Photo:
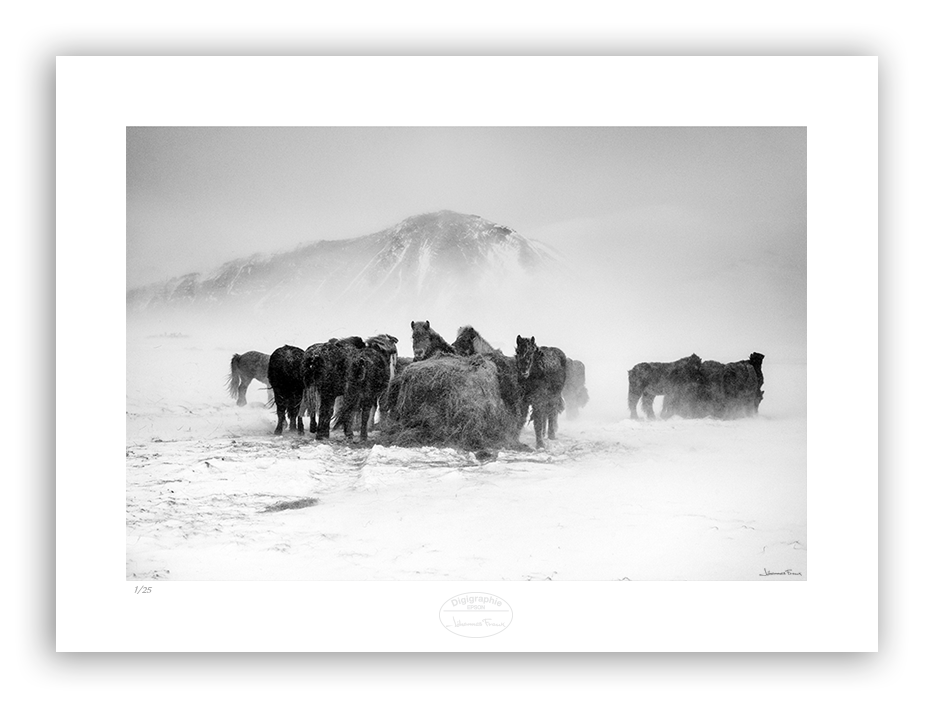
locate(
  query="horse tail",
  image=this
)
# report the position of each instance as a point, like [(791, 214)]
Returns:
[(233, 379), (309, 402)]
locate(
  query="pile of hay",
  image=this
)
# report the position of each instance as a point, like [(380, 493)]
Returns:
[(450, 401)]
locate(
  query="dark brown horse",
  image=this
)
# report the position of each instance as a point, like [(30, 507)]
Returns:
[(684, 388), (426, 342), (733, 390), (285, 377), (368, 377), (756, 359), (244, 369), (540, 372), (713, 389), (575, 392), (651, 379), (324, 375), (469, 341)]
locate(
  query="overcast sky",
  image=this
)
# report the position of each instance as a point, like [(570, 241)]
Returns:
[(197, 197)]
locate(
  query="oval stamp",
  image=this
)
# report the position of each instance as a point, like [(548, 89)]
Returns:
[(475, 614)]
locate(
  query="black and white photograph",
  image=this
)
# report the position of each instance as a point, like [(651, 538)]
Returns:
[(466, 353)]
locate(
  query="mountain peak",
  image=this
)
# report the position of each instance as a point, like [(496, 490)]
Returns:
[(432, 253), (447, 225)]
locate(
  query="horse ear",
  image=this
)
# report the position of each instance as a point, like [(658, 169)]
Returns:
[(518, 340), (427, 324), (412, 324), (532, 340)]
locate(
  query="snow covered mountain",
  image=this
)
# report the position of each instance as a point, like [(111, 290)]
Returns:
[(443, 256)]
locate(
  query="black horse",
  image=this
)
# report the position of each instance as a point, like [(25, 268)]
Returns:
[(713, 389), (368, 377), (541, 375), (756, 359), (651, 379), (575, 392), (733, 390), (426, 342), (285, 378), (469, 341), (324, 376), (684, 387)]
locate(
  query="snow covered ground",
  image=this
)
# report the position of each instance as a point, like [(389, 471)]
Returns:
[(213, 495)]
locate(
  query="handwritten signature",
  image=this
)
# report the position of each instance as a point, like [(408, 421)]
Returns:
[(787, 572)]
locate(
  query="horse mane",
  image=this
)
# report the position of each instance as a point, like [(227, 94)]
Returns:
[(469, 341), (383, 343), (437, 343), (352, 341)]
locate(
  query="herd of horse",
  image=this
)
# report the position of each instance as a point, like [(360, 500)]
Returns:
[(696, 389), (343, 383)]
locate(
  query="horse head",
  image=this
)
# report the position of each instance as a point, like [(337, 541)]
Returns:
[(466, 341), (526, 353), (385, 345), (425, 341)]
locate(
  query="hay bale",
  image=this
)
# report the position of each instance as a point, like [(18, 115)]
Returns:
[(450, 401)]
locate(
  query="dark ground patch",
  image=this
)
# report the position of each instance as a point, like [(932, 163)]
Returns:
[(291, 505)]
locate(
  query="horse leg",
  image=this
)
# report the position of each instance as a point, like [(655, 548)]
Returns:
[(292, 411), (366, 411), (280, 413), (325, 412), (633, 400), (297, 414), (648, 399), (349, 425), (524, 416), (538, 423), (553, 423)]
